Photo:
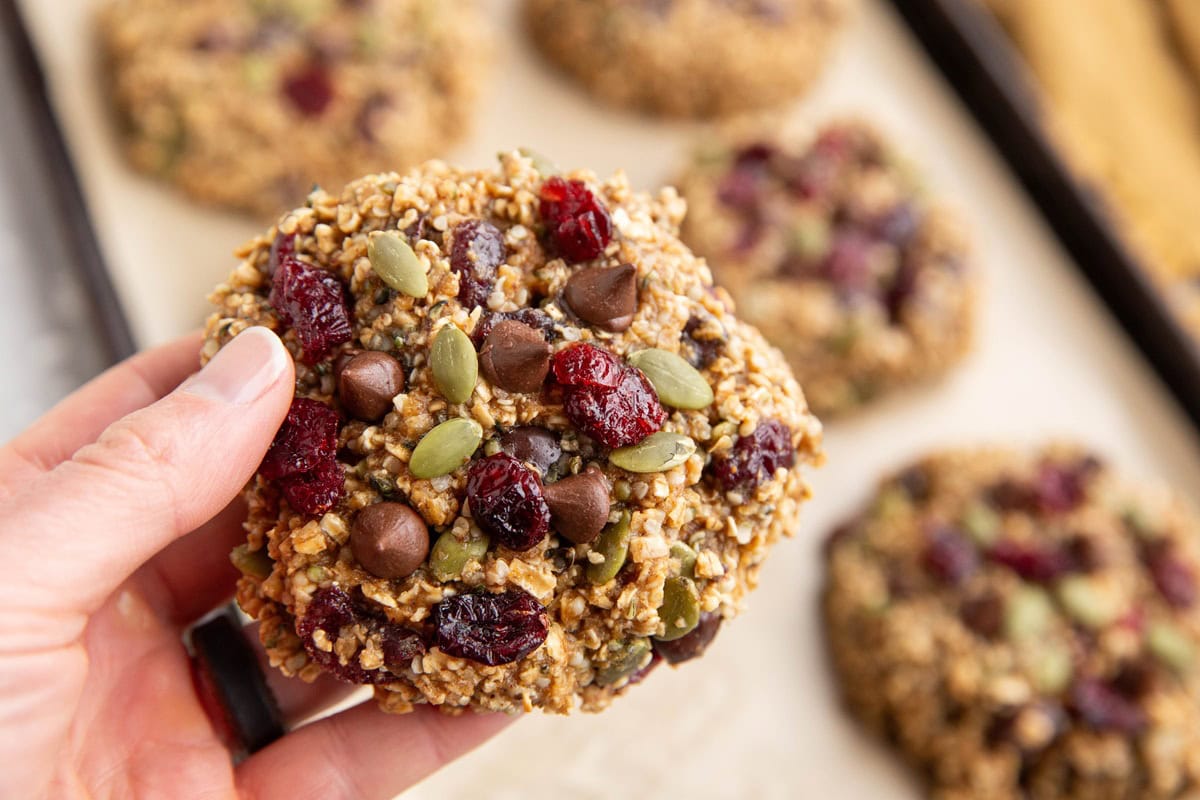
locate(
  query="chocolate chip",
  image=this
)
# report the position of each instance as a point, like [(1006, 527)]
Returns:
[(368, 383), (342, 361), (536, 446), (604, 296), (515, 357), (579, 505), (984, 614), (390, 540)]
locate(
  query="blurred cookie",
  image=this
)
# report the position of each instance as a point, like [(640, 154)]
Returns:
[(247, 103), (831, 250), (1023, 627), (697, 58)]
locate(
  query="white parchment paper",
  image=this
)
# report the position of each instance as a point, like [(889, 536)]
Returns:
[(756, 718)]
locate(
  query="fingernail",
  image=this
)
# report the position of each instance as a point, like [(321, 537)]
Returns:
[(243, 370)]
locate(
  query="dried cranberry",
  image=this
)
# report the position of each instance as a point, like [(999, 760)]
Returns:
[(332, 609), (587, 365), (317, 491), (283, 247), (578, 225), (478, 250), (312, 302), (533, 317), (310, 89), (899, 224), (491, 629), (307, 438), (1060, 488), (1103, 708), (901, 290), (700, 346), (848, 264), (950, 556), (1041, 563), (755, 458), (1172, 577), (619, 416), (507, 502), (400, 647), (692, 645)]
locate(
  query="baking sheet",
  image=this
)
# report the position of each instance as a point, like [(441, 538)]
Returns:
[(757, 716)]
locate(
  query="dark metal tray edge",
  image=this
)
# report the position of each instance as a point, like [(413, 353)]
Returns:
[(64, 187), (977, 59)]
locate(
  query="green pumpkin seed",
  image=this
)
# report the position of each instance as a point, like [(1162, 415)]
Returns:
[(1087, 603), (613, 544), (1051, 668), (396, 264), (1028, 614), (658, 452), (686, 557), (1171, 646), (680, 609), (455, 365), (449, 555), (624, 659), (251, 562), (540, 162), (446, 448), (981, 523), (677, 382)]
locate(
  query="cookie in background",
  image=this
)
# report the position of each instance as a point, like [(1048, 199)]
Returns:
[(829, 245), (247, 104)]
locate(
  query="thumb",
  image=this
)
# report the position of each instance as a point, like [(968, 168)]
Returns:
[(150, 478)]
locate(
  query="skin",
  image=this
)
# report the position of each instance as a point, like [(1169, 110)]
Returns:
[(117, 512)]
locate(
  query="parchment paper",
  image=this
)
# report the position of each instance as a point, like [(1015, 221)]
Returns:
[(757, 716)]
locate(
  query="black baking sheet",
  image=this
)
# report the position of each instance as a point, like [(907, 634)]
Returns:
[(972, 51), (62, 185)]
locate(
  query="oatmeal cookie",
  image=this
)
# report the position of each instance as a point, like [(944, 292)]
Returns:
[(532, 452), (1023, 626), (247, 103), (831, 249), (697, 58)]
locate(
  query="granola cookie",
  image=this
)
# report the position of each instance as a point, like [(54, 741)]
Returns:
[(532, 452), (695, 58), (832, 251), (247, 103), (1023, 626)]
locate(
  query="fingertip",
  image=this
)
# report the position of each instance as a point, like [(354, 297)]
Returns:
[(253, 365)]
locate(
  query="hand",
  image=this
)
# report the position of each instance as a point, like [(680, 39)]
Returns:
[(117, 514)]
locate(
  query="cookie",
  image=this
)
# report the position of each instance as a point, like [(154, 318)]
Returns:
[(247, 103), (1023, 627), (689, 58), (532, 452), (1124, 108), (830, 248)]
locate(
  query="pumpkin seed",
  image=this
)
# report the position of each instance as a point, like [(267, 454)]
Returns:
[(1051, 668), (450, 555), (455, 365), (1028, 614), (613, 544), (251, 562), (1087, 603), (658, 452), (446, 448), (1170, 646), (680, 609), (396, 264), (981, 523), (624, 659), (677, 382), (540, 162), (686, 557)]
